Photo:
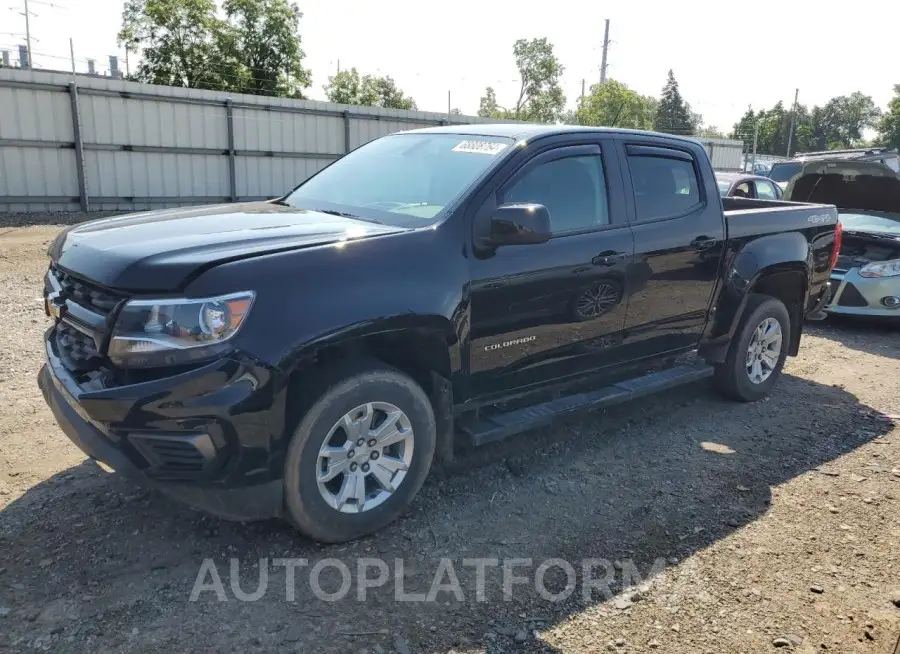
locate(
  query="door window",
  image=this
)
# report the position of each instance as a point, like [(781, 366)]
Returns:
[(572, 188), (765, 190), (663, 187), (742, 190)]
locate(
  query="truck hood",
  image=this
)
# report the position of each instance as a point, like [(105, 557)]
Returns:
[(159, 250)]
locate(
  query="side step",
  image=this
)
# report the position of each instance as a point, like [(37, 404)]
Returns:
[(498, 427)]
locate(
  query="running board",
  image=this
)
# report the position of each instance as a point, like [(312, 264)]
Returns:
[(498, 427)]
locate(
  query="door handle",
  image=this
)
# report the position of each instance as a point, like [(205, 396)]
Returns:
[(608, 258), (703, 243)]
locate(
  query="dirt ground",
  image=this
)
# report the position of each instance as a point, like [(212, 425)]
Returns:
[(750, 527)]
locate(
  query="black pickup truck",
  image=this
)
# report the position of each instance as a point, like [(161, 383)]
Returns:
[(308, 357)]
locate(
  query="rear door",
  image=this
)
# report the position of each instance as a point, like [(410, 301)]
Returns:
[(679, 237), (548, 311)]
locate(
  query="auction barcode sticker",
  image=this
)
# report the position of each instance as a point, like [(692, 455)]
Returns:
[(481, 147)]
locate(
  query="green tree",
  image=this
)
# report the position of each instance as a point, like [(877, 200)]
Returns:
[(613, 104), (673, 115), (488, 107), (178, 40), (262, 47), (743, 129), (848, 116), (710, 132), (772, 125), (349, 87), (889, 125), (540, 98)]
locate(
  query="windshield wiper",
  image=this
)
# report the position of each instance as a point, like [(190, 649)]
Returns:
[(344, 214)]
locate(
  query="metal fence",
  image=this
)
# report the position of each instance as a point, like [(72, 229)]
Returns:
[(110, 145), (724, 154)]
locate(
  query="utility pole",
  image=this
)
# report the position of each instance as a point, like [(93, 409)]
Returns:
[(582, 89), (605, 49), (28, 36), (127, 68), (793, 119), (755, 141), (449, 110)]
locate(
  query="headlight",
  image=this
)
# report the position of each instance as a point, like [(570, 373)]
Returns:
[(171, 332), (881, 269)]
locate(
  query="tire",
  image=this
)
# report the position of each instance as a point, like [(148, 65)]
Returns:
[(732, 377), (376, 385)]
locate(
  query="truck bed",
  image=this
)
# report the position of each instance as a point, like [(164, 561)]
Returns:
[(746, 217)]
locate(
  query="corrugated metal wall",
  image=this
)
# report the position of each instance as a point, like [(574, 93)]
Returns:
[(724, 154), (144, 146), (154, 146)]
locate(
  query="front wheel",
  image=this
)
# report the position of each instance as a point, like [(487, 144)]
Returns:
[(757, 352), (359, 455)]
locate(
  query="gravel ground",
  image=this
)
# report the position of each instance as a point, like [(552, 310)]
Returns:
[(8, 220), (746, 527)]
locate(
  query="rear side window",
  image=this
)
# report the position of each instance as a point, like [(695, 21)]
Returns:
[(765, 190), (663, 187), (893, 164)]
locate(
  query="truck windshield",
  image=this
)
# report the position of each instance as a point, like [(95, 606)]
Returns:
[(782, 172), (403, 179)]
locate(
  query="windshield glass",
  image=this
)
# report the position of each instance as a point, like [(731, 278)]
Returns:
[(403, 179), (860, 222), (782, 172), (723, 187)]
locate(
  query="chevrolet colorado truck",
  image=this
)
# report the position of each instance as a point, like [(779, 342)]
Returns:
[(309, 357)]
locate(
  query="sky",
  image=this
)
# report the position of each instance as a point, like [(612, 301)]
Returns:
[(725, 56)]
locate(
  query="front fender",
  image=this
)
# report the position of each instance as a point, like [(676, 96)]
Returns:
[(785, 256), (428, 336)]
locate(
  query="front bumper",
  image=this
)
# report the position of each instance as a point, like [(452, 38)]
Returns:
[(212, 437), (861, 296)]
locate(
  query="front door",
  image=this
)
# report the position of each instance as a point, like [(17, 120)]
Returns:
[(547, 311), (679, 236)]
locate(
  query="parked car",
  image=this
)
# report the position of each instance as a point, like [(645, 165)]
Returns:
[(756, 168), (308, 357), (742, 185), (783, 171), (866, 278)]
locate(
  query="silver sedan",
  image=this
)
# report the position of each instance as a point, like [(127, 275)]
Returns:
[(866, 279)]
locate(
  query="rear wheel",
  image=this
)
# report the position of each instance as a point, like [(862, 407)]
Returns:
[(359, 455), (757, 352)]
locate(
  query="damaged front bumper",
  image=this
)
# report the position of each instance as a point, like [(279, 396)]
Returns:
[(211, 437)]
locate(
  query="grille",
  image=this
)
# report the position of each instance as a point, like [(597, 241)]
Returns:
[(77, 347), (174, 456), (851, 297), (77, 350), (87, 295)]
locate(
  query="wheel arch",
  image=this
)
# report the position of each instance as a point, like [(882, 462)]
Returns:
[(426, 348), (786, 280)]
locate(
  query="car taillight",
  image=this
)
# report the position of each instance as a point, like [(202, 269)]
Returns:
[(838, 238)]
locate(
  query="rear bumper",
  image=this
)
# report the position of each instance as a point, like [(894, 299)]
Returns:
[(862, 296), (817, 311), (209, 438)]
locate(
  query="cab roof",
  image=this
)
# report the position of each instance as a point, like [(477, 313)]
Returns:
[(535, 130)]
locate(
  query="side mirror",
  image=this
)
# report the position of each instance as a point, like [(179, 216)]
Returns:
[(520, 224)]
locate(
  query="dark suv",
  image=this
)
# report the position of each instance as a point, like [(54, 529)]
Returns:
[(783, 171)]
